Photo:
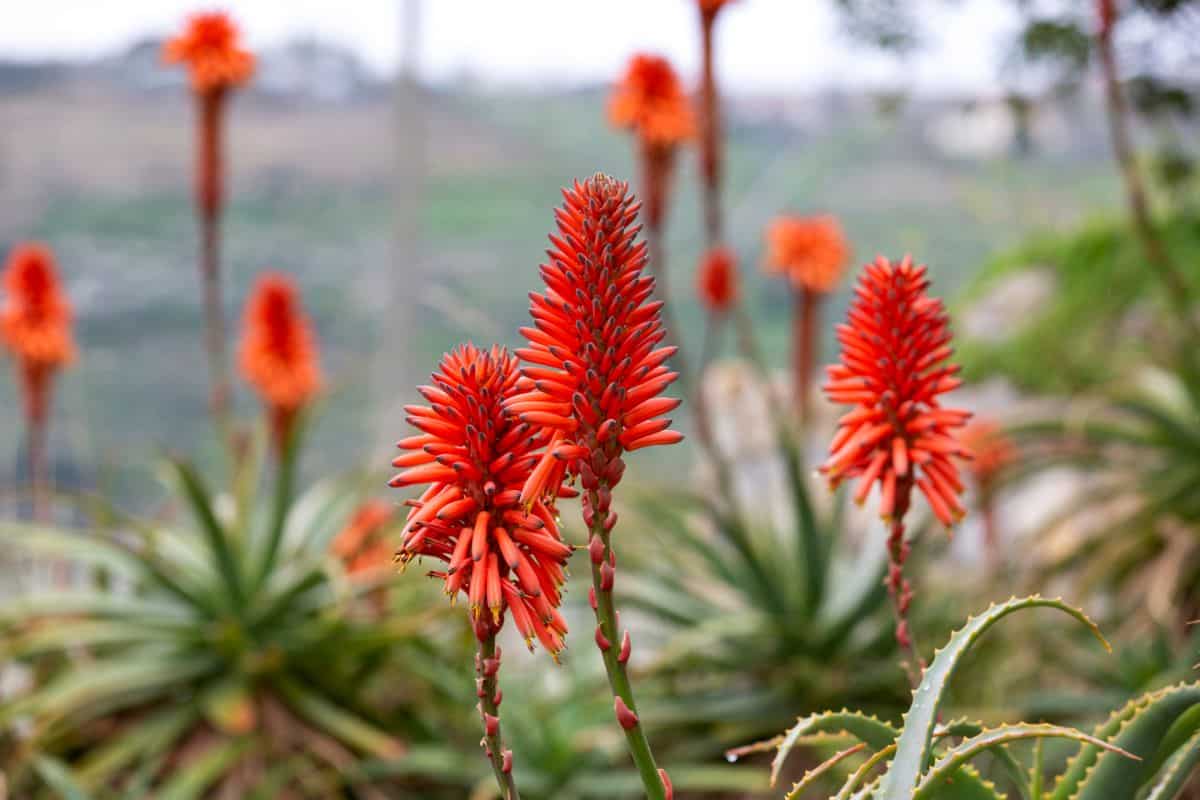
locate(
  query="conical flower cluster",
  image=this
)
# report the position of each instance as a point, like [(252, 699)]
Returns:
[(893, 369), (595, 371), (35, 323), (475, 456), (812, 252), (278, 352), (717, 280)]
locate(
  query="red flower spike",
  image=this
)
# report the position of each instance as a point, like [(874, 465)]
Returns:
[(35, 323), (475, 456), (992, 451), (595, 365), (278, 352), (209, 47), (361, 546), (717, 280), (650, 100), (892, 371)]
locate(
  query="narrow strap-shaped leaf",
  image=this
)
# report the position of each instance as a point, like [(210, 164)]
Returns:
[(348, 727), (966, 784), (860, 775), (1142, 733), (194, 779), (57, 776), (914, 751), (812, 550), (281, 503), (1175, 773), (201, 501), (135, 744), (813, 775), (875, 733), (942, 771), (1006, 760)]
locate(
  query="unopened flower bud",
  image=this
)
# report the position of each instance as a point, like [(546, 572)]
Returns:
[(625, 717)]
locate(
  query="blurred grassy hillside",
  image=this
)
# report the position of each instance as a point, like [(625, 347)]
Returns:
[(104, 176)]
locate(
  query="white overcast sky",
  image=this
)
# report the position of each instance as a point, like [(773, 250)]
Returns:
[(763, 43)]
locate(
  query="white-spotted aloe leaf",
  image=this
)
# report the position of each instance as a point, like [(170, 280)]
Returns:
[(1142, 727), (943, 772), (914, 749)]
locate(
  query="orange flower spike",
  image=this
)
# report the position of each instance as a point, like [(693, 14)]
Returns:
[(35, 323), (358, 544), (991, 448), (717, 280), (811, 251), (278, 352), (650, 101), (210, 48), (475, 456), (893, 369)]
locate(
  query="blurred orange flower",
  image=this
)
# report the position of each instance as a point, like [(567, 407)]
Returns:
[(811, 251), (709, 8), (360, 545), (278, 352), (650, 100), (717, 280), (210, 48), (993, 451), (35, 323)]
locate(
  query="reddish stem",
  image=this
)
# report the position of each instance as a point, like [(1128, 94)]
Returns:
[(806, 331), (209, 192), (710, 135), (898, 586)]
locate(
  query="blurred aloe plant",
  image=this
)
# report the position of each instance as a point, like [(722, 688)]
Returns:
[(1147, 749), (1134, 530), (763, 618), (225, 654)]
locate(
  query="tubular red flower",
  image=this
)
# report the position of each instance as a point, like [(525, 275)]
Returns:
[(811, 251), (210, 48), (595, 368), (893, 368), (475, 456), (278, 352), (35, 323), (717, 280)]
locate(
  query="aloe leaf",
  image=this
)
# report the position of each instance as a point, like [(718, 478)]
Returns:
[(1006, 760), (940, 773), (874, 733), (135, 743), (194, 779), (67, 633), (1140, 727), (860, 775), (813, 775), (342, 724), (57, 776), (1175, 773), (914, 751), (812, 549), (201, 502), (281, 502)]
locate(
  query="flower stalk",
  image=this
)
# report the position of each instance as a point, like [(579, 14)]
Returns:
[(615, 645), (487, 670), (209, 169)]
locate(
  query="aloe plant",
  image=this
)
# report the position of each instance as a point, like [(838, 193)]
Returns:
[(225, 652), (1147, 749), (1135, 528)]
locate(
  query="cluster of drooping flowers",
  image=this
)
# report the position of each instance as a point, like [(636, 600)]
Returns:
[(650, 101), (893, 369), (475, 456), (209, 47), (35, 324), (278, 353), (811, 252)]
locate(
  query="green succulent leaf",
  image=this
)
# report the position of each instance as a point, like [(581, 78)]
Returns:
[(193, 780), (914, 747), (942, 772), (813, 775), (58, 778), (1175, 773), (874, 733), (1141, 727)]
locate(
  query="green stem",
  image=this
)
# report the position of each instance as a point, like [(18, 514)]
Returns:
[(614, 659), (286, 474), (487, 670)]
